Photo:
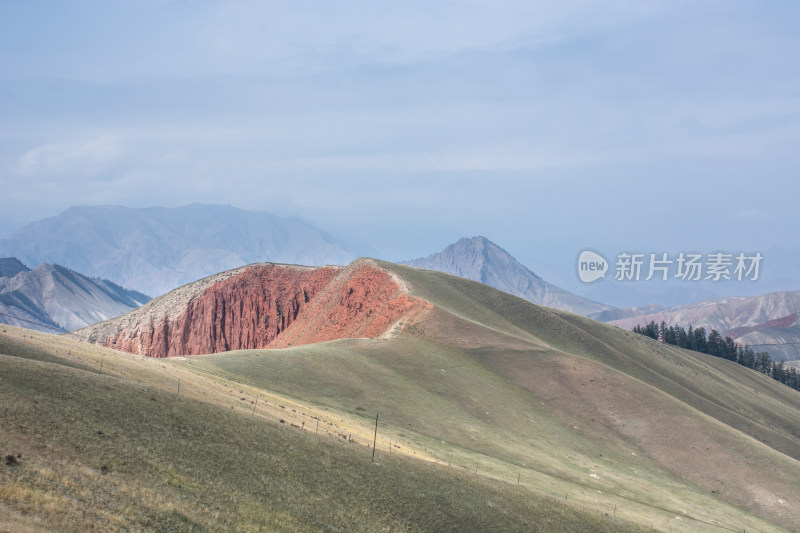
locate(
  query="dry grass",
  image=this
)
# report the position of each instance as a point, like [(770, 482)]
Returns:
[(670, 439), (571, 405), (108, 452)]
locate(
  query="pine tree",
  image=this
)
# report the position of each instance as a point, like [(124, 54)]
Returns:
[(669, 335), (730, 351), (778, 372), (747, 357), (681, 337), (715, 344), (700, 344), (763, 363)]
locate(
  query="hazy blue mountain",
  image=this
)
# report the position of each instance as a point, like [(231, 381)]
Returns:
[(479, 259), (157, 249), (56, 299), (10, 267)]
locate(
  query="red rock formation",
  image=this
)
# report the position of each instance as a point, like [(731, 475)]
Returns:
[(782, 322), (262, 306), (363, 301)]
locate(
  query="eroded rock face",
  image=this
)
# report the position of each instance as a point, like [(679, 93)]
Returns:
[(363, 301), (260, 306)]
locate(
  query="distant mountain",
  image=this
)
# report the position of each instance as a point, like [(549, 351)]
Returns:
[(767, 323), (10, 267), (619, 313), (157, 249), (56, 299), (479, 259)]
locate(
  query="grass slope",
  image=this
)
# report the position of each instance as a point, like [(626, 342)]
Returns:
[(669, 438), (122, 450)]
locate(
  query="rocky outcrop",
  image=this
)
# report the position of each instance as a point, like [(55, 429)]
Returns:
[(363, 301), (260, 306)]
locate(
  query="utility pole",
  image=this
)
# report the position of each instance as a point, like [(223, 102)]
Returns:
[(375, 438)]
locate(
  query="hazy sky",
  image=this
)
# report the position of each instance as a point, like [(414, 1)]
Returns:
[(546, 126)]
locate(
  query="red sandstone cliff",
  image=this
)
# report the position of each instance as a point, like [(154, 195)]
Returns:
[(260, 306)]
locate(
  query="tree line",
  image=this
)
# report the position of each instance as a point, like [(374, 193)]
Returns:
[(713, 344)]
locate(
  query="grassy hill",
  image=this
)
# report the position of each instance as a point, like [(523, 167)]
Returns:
[(672, 438), (494, 414), (123, 449)]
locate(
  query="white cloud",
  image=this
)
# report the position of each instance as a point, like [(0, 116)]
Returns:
[(86, 158), (749, 213)]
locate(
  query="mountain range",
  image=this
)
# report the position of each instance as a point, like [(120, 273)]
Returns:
[(481, 260), (156, 249), (766, 323), (56, 299)]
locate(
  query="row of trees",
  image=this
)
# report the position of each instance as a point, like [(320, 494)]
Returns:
[(713, 344)]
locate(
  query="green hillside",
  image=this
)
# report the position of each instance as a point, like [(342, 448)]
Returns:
[(494, 414), (123, 450), (573, 407)]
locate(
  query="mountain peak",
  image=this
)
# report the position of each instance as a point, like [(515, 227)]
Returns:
[(479, 259), (471, 257), (477, 240)]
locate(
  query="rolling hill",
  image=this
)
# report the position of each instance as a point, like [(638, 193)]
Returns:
[(157, 249), (57, 299), (481, 260), (484, 381), (94, 439)]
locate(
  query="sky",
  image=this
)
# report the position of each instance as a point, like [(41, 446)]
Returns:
[(548, 127)]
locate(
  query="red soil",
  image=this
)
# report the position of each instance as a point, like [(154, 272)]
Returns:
[(275, 306), (782, 322)]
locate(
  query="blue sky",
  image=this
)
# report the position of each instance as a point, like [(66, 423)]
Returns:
[(546, 126)]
